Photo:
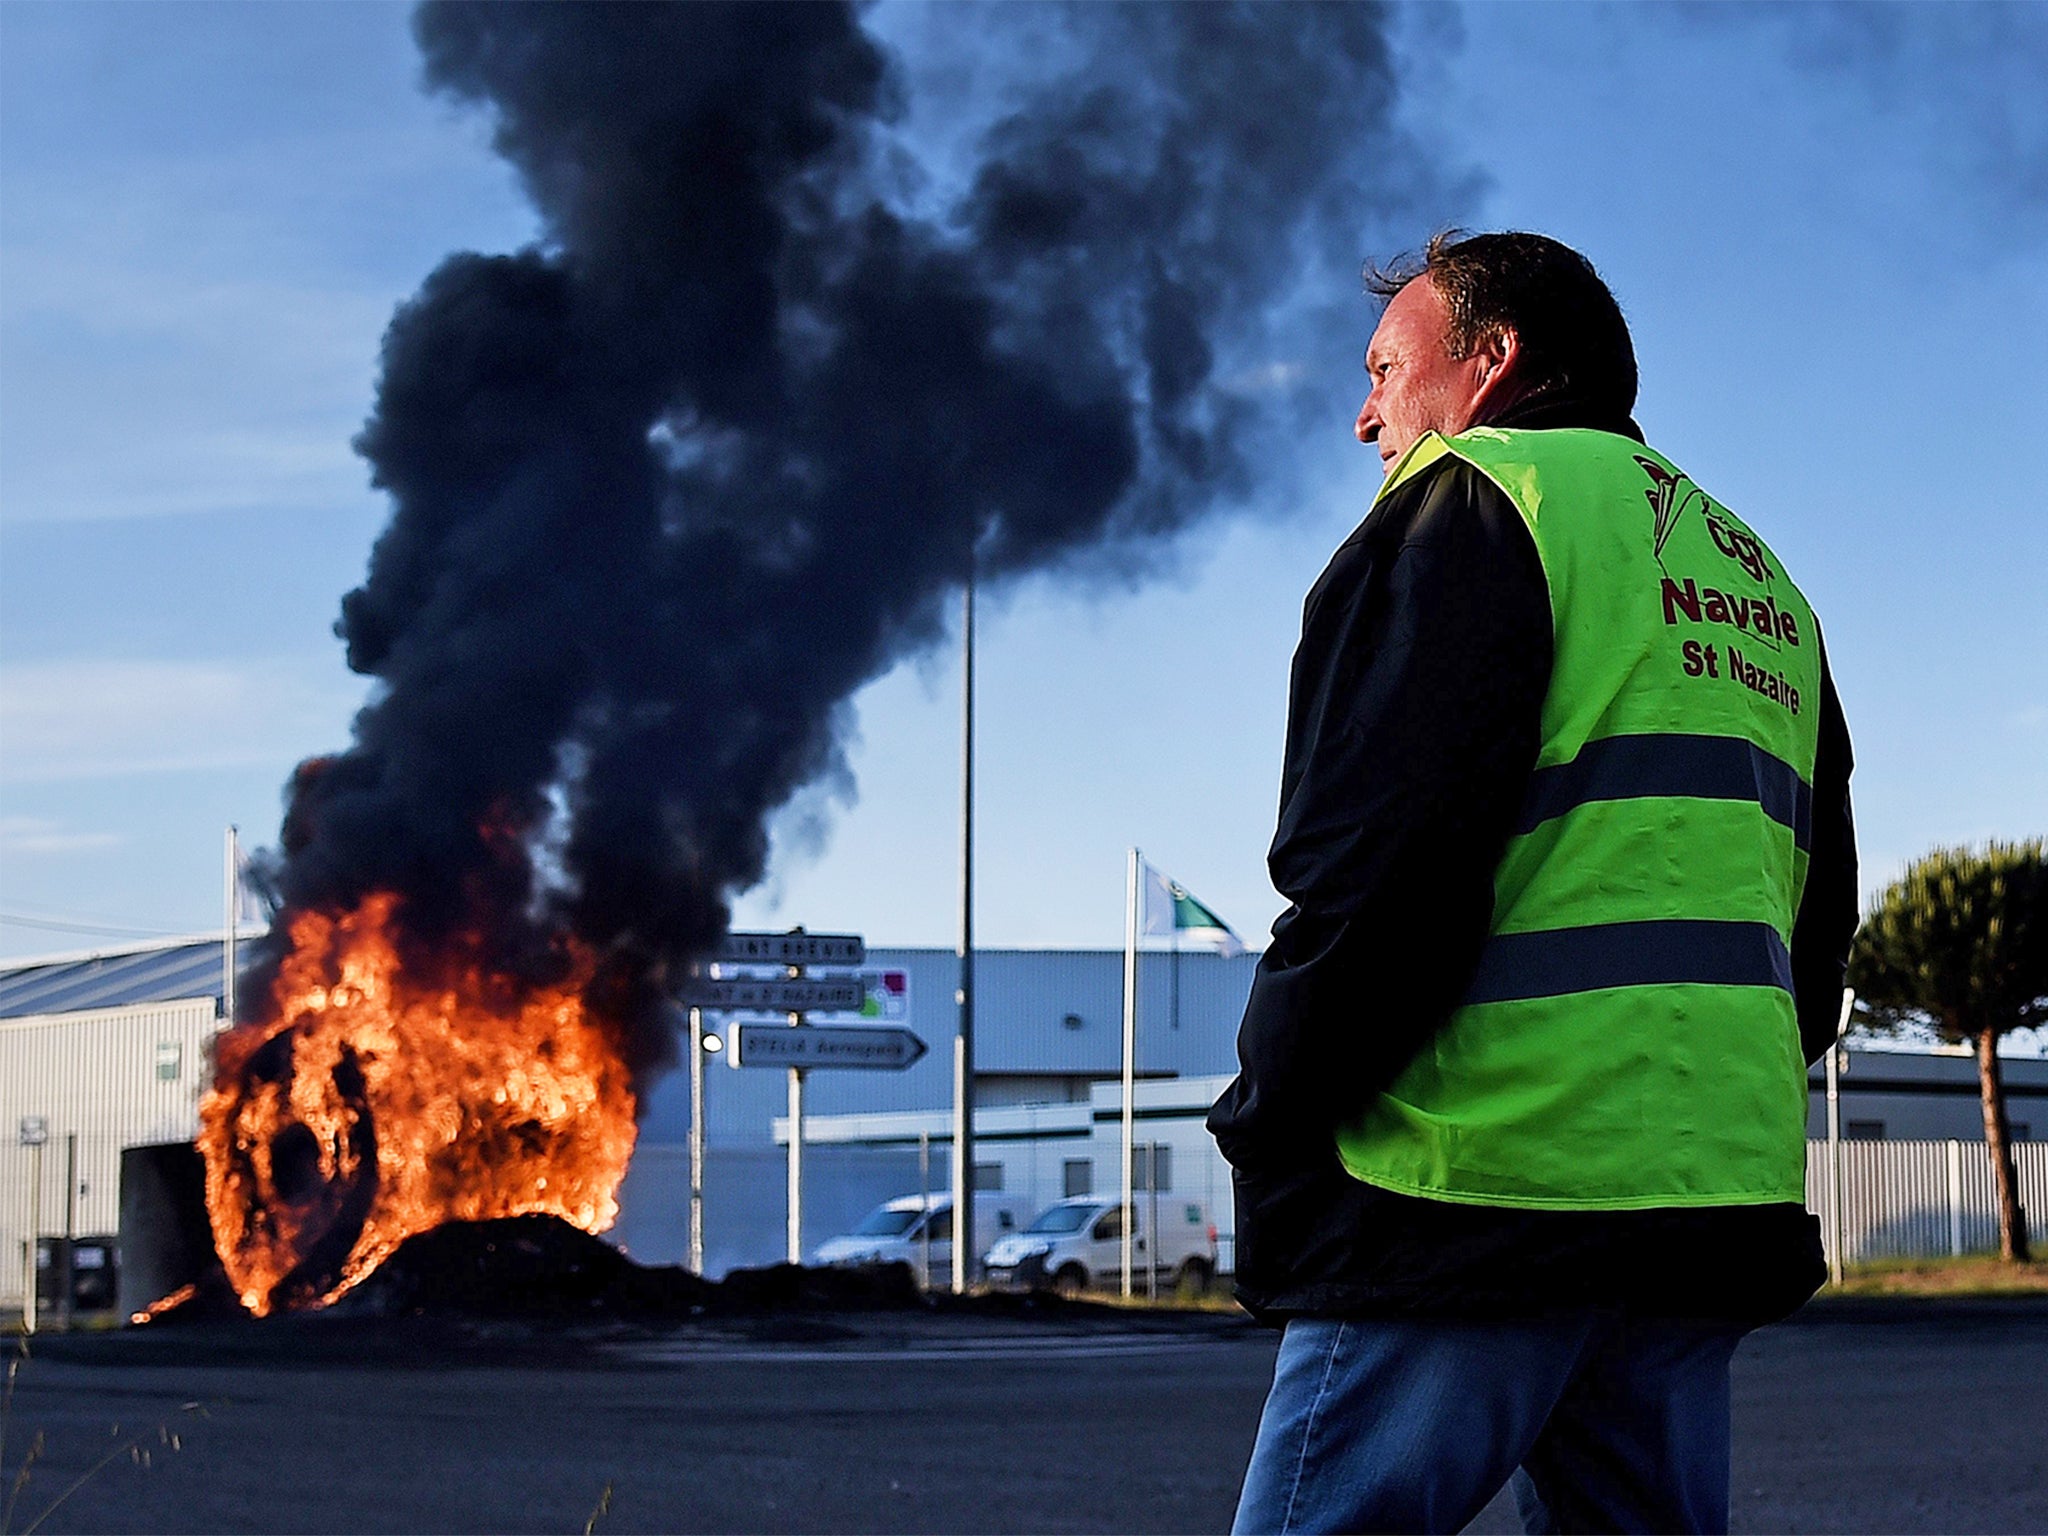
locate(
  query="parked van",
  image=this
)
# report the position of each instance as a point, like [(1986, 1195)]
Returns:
[(912, 1228), (1078, 1242)]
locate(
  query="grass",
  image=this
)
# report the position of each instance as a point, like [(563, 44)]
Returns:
[(81, 1322), (1974, 1275), (1216, 1299)]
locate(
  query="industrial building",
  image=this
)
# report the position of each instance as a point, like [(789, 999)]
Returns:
[(107, 1049)]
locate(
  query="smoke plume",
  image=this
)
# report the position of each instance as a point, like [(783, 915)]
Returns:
[(671, 484)]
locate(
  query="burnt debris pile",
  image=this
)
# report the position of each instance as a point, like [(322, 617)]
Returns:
[(542, 1269)]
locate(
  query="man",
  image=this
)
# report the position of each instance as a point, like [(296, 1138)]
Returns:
[(1518, 1135)]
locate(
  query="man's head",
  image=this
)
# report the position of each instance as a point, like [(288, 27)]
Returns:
[(1484, 322)]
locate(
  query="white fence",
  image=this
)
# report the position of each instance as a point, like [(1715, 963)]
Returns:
[(1923, 1199)]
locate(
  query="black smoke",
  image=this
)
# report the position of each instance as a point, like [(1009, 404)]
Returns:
[(674, 482)]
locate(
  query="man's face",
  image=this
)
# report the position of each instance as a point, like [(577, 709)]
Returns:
[(1417, 386)]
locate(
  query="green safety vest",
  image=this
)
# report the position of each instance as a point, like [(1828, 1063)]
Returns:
[(1629, 1039)]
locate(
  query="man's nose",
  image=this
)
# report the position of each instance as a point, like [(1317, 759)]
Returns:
[(1367, 427)]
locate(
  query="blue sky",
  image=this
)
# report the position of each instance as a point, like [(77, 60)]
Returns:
[(1829, 229)]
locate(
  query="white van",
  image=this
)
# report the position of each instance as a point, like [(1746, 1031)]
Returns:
[(1078, 1242), (913, 1228)]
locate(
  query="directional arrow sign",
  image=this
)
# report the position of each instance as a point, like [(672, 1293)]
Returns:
[(780, 994), (825, 1045), (793, 948)]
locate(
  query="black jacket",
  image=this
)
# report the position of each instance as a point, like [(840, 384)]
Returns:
[(1413, 727)]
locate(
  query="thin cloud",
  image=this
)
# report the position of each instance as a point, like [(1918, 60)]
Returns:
[(29, 835), (242, 394), (187, 472), (97, 719)]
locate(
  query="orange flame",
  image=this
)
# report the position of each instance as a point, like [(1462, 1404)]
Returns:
[(163, 1304), (369, 1105)]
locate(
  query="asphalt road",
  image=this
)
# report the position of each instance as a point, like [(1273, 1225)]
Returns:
[(1895, 1417)]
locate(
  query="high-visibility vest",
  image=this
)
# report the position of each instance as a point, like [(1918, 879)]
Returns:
[(1629, 1040)]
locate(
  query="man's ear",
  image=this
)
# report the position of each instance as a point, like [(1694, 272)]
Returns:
[(1499, 354)]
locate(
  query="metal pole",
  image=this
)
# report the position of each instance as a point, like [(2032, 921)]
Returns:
[(924, 1202), (1955, 1199), (963, 1043), (796, 1158), (1834, 1167), (1837, 1228), (67, 1272), (35, 1225), (696, 1141), (1152, 1220), (1130, 1209), (233, 884), (1173, 1013)]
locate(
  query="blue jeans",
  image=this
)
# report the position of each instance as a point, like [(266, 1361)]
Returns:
[(1413, 1424)]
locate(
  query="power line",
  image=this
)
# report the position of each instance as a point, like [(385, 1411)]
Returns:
[(20, 920)]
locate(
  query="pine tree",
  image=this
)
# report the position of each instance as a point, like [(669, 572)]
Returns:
[(1960, 945)]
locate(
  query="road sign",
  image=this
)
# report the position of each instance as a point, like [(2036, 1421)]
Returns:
[(793, 948), (888, 996), (825, 1045), (776, 994), (35, 1129)]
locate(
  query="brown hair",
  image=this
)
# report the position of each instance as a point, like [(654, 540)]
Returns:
[(1573, 337)]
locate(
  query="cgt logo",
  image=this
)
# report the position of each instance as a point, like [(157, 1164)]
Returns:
[(1669, 495), (1740, 546)]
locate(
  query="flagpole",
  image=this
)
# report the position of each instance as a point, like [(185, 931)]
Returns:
[(1173, 1014), (233, 887), (1130, 1211)]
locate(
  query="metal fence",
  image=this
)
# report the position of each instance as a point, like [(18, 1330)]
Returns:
[(1922, 1199)]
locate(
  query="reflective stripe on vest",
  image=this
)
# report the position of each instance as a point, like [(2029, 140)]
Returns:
[(1629, 1038), (1553, 962), (1704, 767)]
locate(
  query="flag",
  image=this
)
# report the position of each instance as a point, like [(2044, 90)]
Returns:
[(250, 907), (1168, 908), (246, 903)]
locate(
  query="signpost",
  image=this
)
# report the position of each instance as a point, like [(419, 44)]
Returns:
[(828, 1045), (793, 948), (696, 1141), (798, 1046), (783, 994)]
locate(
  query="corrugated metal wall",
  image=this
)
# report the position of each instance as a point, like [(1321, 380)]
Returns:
[(113, 1078)]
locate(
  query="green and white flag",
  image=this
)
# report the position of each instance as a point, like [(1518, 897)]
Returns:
[(1168, 908)]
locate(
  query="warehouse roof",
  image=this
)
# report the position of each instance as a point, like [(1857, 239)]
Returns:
[(169, 970)]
